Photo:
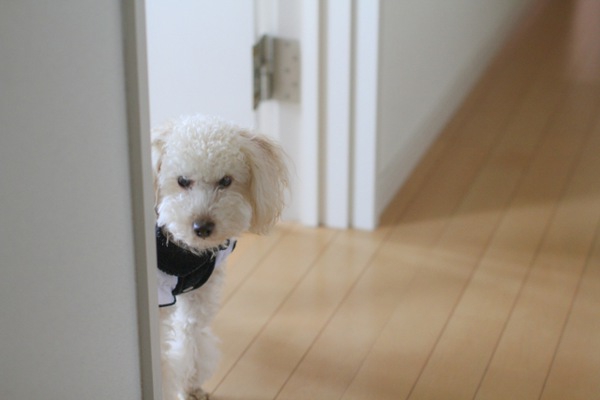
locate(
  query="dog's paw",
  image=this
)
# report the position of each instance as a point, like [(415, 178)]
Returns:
[(197, 394)]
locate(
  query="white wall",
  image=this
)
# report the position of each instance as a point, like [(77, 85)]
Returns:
[(430, 54), (67, 292)]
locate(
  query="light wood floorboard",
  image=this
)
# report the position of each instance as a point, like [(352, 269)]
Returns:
[(483, 280)]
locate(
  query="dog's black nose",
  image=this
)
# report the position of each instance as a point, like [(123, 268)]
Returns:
[(203, 228)]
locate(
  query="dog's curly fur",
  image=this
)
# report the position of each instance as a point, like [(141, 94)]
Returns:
[(208, 169)]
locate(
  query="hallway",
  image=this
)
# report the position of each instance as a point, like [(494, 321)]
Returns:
[(483, 280)]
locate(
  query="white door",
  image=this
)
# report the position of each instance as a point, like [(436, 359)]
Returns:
[(199, 59)]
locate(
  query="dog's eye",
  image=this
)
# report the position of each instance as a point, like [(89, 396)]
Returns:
[(225, 182), (184, 182)]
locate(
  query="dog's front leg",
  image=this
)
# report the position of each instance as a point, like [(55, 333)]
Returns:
[(206, 359), (176, 364), (202, 306), (197, 394)]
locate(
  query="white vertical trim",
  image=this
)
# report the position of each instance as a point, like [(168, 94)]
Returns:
[(297, 126), (308, 198), (142, 194), (366, 64), (338, 75), (265, 23), (265, 17)]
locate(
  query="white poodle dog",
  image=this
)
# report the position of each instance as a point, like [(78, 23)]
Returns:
[(213, 181)]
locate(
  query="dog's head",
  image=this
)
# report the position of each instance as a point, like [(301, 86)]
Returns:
[(214, 180)]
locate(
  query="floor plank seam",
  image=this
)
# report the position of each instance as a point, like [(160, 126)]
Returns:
[(283, 301), (334, 312), (549, 221), (256, 265), (571, 306)]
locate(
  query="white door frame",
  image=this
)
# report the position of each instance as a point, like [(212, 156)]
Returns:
[(350, 129), (338, 108), (365, 208), (297, 126), (350, 56), (138, 116), (332, 134)]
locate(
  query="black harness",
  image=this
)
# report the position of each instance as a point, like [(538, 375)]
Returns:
[(192, 270)]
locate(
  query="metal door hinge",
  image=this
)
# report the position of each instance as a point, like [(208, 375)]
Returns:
[(276, 69)]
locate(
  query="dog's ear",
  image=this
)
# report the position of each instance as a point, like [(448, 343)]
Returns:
[(159, 138), (269, 180)]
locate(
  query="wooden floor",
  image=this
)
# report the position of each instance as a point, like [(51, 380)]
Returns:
[(483, 281)]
